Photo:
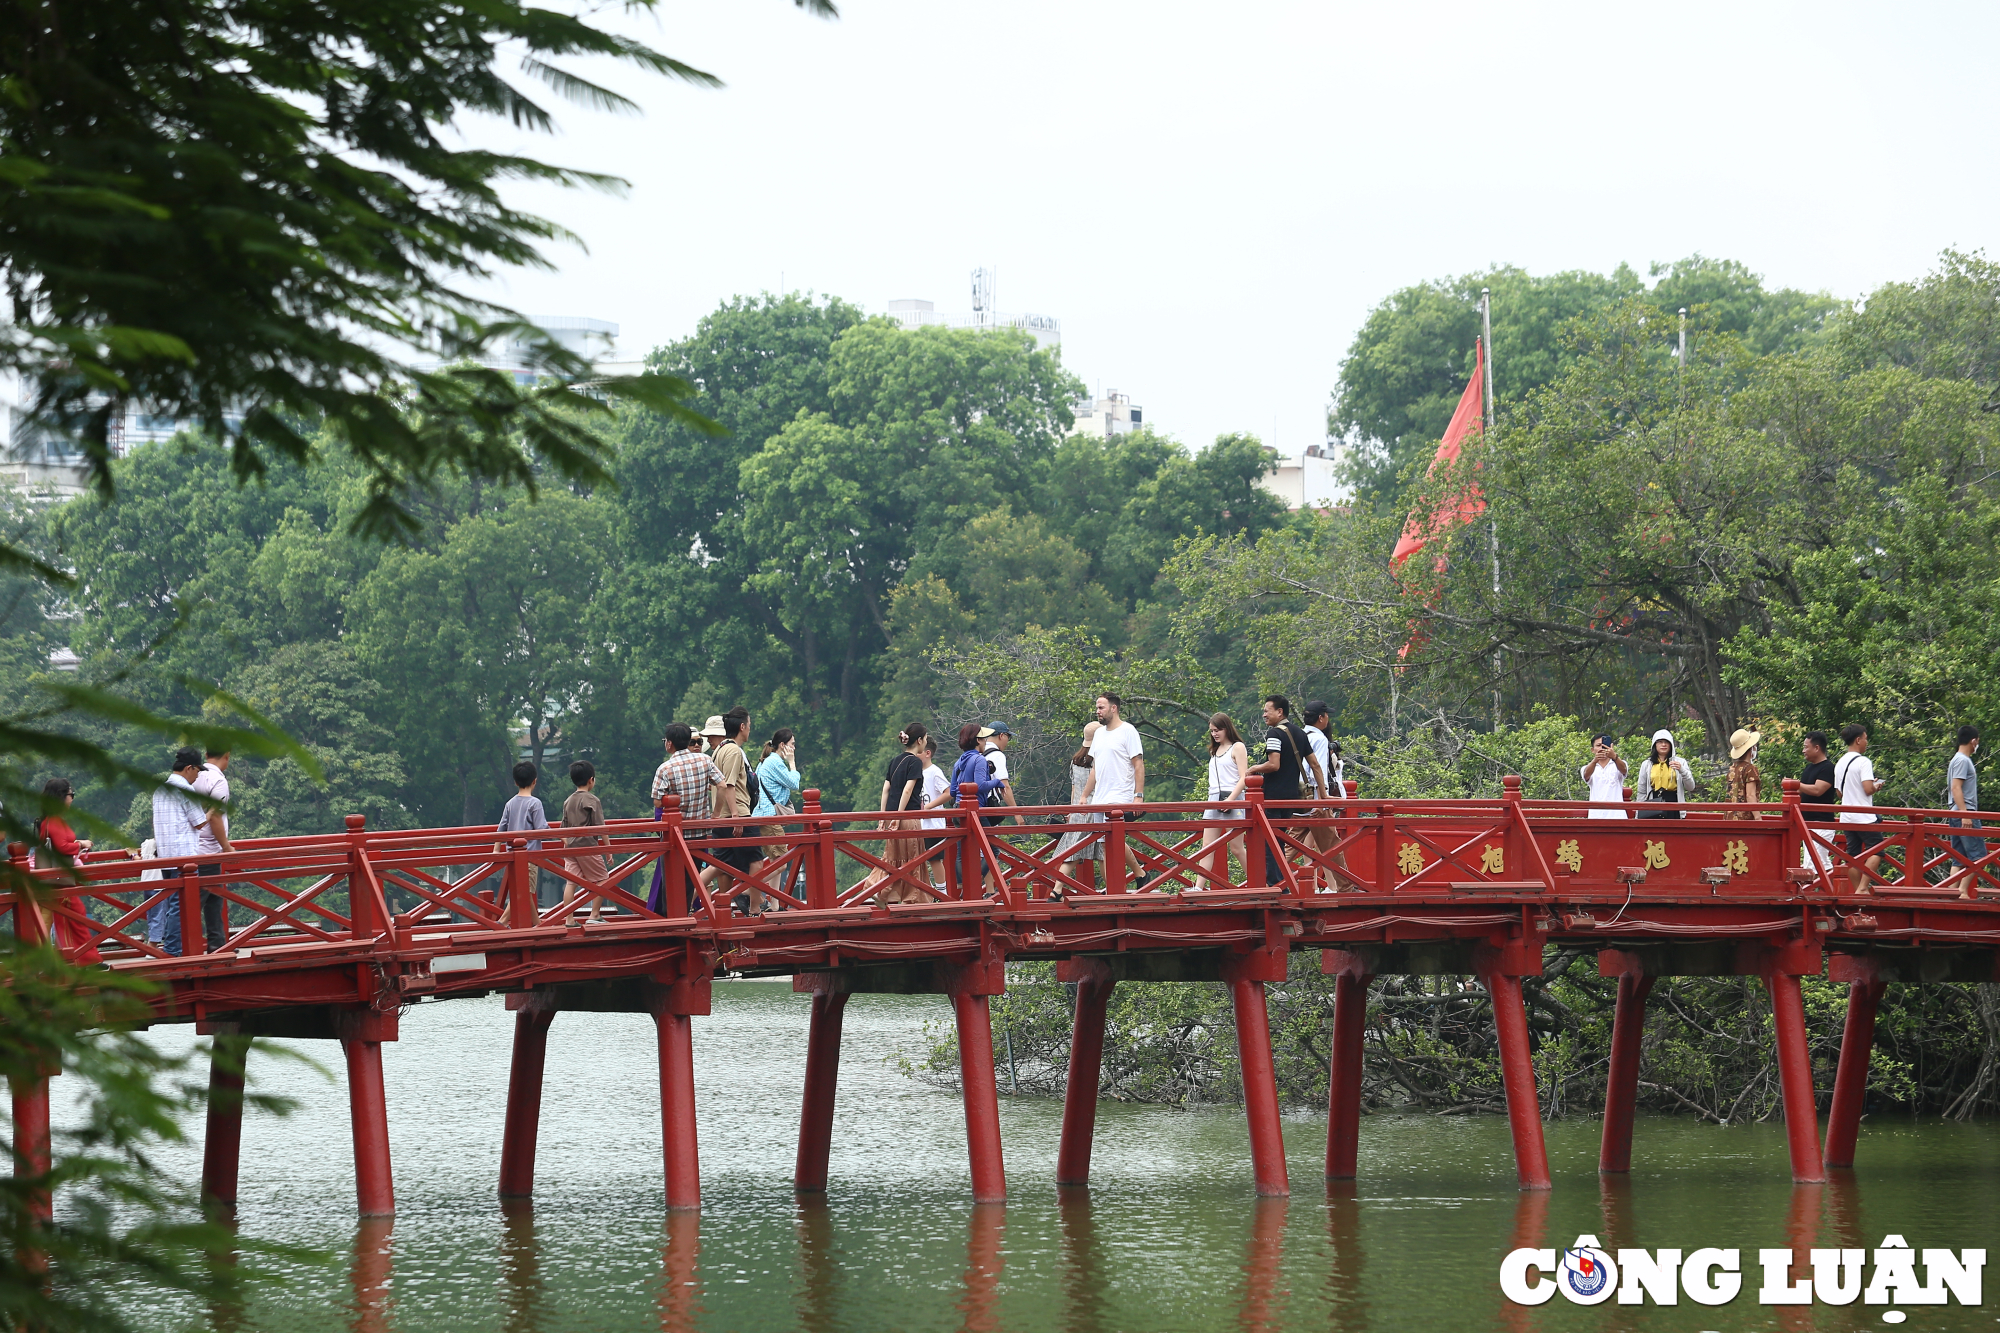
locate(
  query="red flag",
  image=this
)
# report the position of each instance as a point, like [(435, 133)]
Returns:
[(1469, 419)]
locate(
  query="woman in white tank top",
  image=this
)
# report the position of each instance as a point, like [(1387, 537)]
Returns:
[(1227, 765)]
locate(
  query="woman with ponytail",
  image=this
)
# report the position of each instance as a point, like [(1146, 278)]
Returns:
[(903, 789)]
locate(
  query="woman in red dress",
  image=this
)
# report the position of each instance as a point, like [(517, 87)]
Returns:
[(54, 834)]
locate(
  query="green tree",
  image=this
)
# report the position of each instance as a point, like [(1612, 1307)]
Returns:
[(1897, 625), (491, 632), (1403, 375), (320, 696), (245, 214)]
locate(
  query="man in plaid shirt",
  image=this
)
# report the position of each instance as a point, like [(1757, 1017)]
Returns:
[(690, 775)]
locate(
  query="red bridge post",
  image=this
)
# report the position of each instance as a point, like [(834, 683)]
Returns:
[(1857, 1044), (1094, 984), (31, 1152), (829, 1005), (673, 1007), (31, 1091), (368, 1104), (1621, 1082), (1500, 971), (1254, 846), (222, 1145), (1246, 974), (1788, 1022), (970, 987), (1350, 1012), (524, 1094)]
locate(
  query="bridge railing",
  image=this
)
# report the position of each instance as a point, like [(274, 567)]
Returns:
[(362, 890)]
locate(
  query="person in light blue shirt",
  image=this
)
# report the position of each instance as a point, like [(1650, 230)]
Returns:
[(778, 774), (777, 794)]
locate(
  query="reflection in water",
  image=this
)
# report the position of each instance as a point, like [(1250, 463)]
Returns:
[(1160, 1242), (224, 1316), (983, 1260), (680, 1292), (1843, 1199), (1614, 1200), (1801, 1232), (520, 1266), (1261, 1270), (1082, 1267), (819, 1265), (371, 1275), (1344, 1271), (1531, 1224)]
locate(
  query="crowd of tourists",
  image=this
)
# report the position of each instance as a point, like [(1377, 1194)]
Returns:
[(1839, 795), (741, 805)]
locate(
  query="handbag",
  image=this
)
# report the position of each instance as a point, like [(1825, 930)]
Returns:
[(781, 808)]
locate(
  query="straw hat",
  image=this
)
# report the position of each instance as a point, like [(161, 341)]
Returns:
[(713, 727), (1742, 741)]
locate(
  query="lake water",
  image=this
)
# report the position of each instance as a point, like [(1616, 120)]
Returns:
[(1169, 1236)]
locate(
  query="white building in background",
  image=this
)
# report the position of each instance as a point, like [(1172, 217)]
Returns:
[(596, 340), (915, 314), (1113, 414), (1305, 480), (40, 463)]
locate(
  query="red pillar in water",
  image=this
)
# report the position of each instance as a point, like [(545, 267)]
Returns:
[(822, 1080), (1501, 976), (1850, 1080), (222, 1145), (1086, 1059), (369, 1107), (1788, 1020), (31, 1148), (982, 1097), (1246, 974), (1350, 1013), (672, 1008), (524, 1097), (1621, 1083)]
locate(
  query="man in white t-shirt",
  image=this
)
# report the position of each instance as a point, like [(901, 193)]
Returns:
[(1854, 779), (997, 738), (1117, 766), (1604, 777), (1325, 786), (213, 840)]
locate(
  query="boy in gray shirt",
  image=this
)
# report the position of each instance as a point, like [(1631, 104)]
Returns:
[(1961, 792), (524, 814)]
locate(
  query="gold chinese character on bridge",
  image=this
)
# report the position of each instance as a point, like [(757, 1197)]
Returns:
[(1656, 855), (1569, 854), (1492, 860), (1736, 856), (1409, 859)]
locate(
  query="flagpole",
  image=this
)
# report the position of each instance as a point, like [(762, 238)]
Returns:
[(1492, 523)]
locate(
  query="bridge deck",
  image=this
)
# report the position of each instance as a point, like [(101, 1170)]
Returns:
[(334, 936)]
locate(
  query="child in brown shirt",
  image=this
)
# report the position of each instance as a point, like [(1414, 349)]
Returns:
[(583, 810)]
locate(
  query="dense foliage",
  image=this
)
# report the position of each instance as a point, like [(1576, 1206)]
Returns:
[(1429, 1044), (906, 488)]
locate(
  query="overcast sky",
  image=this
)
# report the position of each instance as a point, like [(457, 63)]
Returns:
[(1211, 197)]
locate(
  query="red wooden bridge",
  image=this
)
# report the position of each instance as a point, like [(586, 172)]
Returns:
[(333, 937)]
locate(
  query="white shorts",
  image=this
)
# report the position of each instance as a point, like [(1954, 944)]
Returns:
[(1813, 857)]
